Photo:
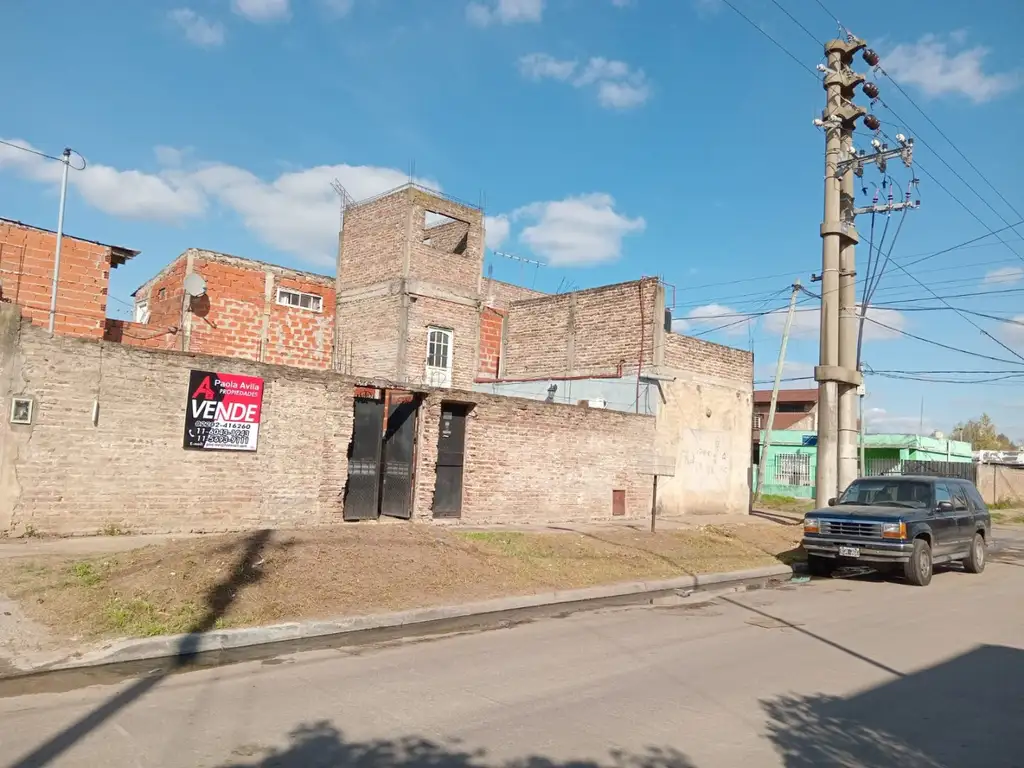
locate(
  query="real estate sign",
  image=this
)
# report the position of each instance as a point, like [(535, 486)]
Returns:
[(223, 411)]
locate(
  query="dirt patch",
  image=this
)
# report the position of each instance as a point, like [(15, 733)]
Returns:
[(1007, 516), (237, 580)]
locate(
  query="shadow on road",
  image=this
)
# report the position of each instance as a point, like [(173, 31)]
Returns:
[(963, 712), (246, 571), (321, 745)]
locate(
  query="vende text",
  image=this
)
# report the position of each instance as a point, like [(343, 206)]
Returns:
[(208, 409)]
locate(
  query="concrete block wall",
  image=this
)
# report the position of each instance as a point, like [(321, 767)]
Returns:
[(461, 318), (704, 427), (66, 475), (531, 462), (591, 332), (27, 256)]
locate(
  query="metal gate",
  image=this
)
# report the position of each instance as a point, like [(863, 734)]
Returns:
[(362, 489), (451, 446), (965, 470), (399, 442)]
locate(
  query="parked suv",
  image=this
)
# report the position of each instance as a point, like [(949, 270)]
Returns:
[(906, 522)]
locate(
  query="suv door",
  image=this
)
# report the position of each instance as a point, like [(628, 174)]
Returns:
[(962, 513), (978, 508), (943, 524)]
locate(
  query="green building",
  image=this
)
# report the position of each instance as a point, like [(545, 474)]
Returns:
[(791, 460)]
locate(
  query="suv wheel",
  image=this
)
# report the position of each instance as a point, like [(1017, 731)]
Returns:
[(820, 566), (918, 569), (975, 560)]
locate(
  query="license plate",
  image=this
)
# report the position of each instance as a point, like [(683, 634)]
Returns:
[(849, 551)]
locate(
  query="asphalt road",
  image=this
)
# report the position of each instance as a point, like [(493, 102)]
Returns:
[(851, 672)]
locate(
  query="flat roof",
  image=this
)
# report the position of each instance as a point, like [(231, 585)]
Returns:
[(119, 254)]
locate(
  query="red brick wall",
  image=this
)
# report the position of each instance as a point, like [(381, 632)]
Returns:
[(26, 274), (140, 335), (239, 316), (582, 333), (491, 321)]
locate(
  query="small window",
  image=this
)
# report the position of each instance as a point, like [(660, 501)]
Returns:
[(757, 421), (21, 410), (439, 348), (974, 497), (162, 293), (289, 298), (141, 312)]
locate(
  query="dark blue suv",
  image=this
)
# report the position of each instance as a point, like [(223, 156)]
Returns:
[(905, 522)]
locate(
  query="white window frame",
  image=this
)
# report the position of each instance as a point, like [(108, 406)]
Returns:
[(314, 298), (21, 400), (141, 312), (440, 376)]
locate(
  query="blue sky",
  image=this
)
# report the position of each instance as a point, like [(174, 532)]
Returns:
[(607, 139)]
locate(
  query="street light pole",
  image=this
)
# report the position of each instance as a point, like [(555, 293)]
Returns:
[(66, 160)]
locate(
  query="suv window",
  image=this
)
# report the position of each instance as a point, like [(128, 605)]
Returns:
[(974, 497), (942, 493), (959, 497)]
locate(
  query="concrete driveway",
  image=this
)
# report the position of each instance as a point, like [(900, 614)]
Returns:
[(856, 672)]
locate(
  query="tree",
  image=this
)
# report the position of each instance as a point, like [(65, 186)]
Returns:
[(982, 434)]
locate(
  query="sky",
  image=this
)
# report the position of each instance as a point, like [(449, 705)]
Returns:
[(605, 139)]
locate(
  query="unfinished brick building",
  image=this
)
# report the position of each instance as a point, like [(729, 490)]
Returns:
[(27, 258), (247, 309)]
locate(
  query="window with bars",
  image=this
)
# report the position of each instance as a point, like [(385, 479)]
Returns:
[(793, 469), (757, 421), (289, 298)]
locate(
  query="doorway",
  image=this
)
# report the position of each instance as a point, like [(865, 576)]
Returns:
[(381, 456), (451, 448)]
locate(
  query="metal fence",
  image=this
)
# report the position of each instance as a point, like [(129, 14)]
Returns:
[(966, 470), (792, 469), (884, 466)]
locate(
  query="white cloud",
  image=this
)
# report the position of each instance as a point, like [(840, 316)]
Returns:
[(483, 14), (496, 230), (128, 194), (577, 231), (197, 29), (791, 369), (262, 11), (618, 85), (806, 323), (711, 316), (880, 421), (1005, 275), (931, 66), (296, 213), (1012, 331)]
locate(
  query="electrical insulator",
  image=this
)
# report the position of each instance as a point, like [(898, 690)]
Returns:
[(870, 57), (870, 90), (872, 122)]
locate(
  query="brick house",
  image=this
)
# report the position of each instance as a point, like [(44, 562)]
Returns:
[(794, 409), (27, 256), (248, 309)]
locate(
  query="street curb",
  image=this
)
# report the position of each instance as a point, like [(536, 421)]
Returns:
[(185, 645)]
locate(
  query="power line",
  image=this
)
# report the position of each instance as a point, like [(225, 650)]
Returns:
[(940, 344), (793, 18), (775, 42)]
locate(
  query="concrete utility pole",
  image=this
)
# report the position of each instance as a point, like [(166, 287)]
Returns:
[(66, 161), (775, 394), (837, 372)]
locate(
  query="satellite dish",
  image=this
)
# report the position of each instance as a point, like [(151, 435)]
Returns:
[(195, 285)]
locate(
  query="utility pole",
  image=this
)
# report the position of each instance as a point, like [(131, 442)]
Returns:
[(837, 372), (66, 161), (775, 394)]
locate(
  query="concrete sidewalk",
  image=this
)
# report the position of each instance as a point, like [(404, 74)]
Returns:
[(83, 546)]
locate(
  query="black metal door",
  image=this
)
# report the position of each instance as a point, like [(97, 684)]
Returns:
[(399, 442), (361, 491), (451, 446)]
